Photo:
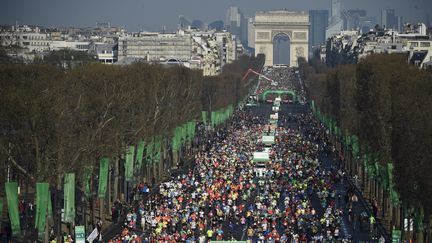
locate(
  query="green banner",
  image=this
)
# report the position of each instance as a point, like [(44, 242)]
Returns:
[(178, 137), (42, 196), (204, 115), (129, 163), (69, 198), (103, 177), (86, 178), (313, 107), (418, 218), (12, 201), (394, 195), (355, 146), (157, 149), (139, 155)]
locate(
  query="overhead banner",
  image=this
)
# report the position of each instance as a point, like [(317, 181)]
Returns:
[(129, 163), (103, 177), (69, 198), (12, 202), (42, 195), (139, 155)]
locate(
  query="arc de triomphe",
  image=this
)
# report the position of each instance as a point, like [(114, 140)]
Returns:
[(294, 24)]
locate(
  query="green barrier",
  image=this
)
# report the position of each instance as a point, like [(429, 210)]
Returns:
[(12, 202), (279, 92)]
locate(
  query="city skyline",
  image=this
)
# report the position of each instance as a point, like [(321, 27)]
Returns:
[(146, 15)]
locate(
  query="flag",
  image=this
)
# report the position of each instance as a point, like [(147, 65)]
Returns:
[(313, 107), (213, 118), (129, 163), (394, 196), (103, 177), (12, 201), (355, 146), (139, 155), (93, 235), (42, 198), (204, 115), (157, 150), (69, 198), (86, 177)]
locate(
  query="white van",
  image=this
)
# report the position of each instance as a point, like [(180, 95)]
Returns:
[(260, 159)]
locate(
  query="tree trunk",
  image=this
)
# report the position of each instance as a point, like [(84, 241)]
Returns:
[(101, 211), (92, 203), (58, 207), (148, 174), (85, 214), (426, 220), (401, 220), (175, 158), (160, 168), (46, 233), (109, 189), (155, 172)]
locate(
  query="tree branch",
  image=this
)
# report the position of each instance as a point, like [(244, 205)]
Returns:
[(15, 163)]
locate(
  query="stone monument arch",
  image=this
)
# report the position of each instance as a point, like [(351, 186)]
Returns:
[(293, 24)]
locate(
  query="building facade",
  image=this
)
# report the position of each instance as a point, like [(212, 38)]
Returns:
[(354, 46), (155, 47), (318, 24), (295, 25), (336, 22), (389, 20)]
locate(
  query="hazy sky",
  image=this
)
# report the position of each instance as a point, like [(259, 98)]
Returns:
[(153, 14)]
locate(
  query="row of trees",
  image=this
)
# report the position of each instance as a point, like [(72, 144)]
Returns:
[(55, 121), (385, 103)]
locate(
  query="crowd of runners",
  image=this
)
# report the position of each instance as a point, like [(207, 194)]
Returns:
[(221, 198), (283, 79)]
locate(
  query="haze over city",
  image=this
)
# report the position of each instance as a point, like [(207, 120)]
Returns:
[(136, 15)]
